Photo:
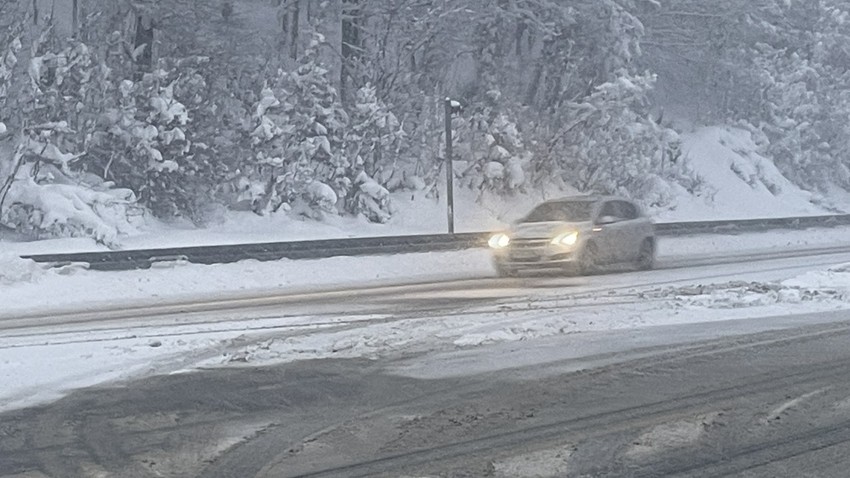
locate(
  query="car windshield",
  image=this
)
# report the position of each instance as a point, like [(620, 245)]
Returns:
[(566, 211)]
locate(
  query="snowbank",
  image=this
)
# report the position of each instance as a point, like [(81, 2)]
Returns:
[(836, 278), (80, 288), (14, 270), (818, 288)]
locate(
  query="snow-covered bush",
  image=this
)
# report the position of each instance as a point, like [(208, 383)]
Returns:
[(298, 136), (148, 139), (46, 197), (46, 188), (370, 199), (68, 210), (374, 141), (316, 201), (320, 197)]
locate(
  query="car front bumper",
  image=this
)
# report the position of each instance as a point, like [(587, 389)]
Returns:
[(542, 259)]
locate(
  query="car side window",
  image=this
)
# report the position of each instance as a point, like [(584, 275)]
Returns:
[(609, 209), (627, 210)]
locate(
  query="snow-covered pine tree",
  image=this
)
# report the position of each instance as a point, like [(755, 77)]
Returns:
[(142, 139), (187, 113), (160, 138), (299, 138), (373, 143)]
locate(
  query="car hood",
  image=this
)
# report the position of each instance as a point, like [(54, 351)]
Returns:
[(536, 230)]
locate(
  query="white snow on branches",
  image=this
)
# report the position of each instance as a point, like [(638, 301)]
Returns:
[(167, 109), (322, 194), (74, 210)]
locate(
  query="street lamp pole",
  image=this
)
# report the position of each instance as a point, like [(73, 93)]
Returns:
[(449, 167)]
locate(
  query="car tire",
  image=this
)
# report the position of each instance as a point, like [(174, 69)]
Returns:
[(588, 259), (646, 256)]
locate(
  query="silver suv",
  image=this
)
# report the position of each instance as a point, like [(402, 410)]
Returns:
[(577, 234)]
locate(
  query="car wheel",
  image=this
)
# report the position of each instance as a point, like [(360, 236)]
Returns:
[(588, 260), (646, 256)]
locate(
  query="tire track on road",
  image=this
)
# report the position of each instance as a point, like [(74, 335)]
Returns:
[(596, 425)]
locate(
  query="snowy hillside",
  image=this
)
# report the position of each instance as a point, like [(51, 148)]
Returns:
[(738, 182)]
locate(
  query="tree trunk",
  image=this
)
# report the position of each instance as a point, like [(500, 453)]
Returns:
[(520, 31), (144, 38), (534, 85), (75, 18), (295, 18), (352, 44)]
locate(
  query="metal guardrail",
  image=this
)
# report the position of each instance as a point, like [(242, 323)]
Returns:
[(143, 259), (749, 225)]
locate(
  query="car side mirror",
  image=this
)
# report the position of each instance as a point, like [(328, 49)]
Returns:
[(605, 220)]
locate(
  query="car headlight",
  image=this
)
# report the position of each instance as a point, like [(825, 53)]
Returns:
[(499, 241), (566, 239)]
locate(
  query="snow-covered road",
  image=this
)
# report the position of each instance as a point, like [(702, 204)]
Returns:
[(47, 354)]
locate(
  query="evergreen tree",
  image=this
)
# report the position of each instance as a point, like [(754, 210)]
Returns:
[(373, 141), (299, 139)]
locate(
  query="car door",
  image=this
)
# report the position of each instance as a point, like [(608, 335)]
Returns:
[(629, 231), (620, 232), (606, 232)]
